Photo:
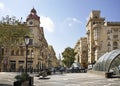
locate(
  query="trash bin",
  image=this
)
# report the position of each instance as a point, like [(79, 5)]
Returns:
[(17, 83), (108, 74), (31, 81)]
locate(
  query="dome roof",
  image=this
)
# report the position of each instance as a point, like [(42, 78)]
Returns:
[(33, 11), (108, 61), (33, 15)]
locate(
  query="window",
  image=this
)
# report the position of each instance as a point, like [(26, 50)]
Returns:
[(2, 51), (108, 32), (12, 52), (21, 62), (30, 62), (115, 44), (93, 23), (115, 48), (42, 54), (115, 36), (17, 52), (111, 31), (96, 33), (12, 65), (28, 52), (21, 52), (84, 52), (31, 42), (108, 37), (108, 44), (96, 17)]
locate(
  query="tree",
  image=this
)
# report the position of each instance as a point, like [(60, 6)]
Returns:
[(12, 31), (68, 56), (12, 34)]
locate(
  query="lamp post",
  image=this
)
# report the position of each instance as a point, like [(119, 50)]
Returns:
[(27, 38), (31, 61)]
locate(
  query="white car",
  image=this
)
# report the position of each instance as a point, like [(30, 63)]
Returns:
[(90, 67)]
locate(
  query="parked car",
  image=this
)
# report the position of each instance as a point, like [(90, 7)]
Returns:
[(90, 67), (76, 68)]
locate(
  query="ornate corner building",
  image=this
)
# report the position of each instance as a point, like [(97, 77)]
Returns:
[(40, 56), (102, 36)]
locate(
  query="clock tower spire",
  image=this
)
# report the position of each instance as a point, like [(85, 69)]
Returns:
[(33, 19)]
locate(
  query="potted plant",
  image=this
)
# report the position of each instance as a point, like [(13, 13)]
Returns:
[(23, 80)]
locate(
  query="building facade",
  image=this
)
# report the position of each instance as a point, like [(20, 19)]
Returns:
[(53, 61), (102, 36), (38, 50), (81, 51)]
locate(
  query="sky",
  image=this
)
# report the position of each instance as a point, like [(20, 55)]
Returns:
[(64, 21)]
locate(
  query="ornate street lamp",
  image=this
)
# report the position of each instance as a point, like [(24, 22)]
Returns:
[(26, 38), (31, 61)]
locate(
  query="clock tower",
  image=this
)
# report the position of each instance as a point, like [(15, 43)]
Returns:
[(33, 19)]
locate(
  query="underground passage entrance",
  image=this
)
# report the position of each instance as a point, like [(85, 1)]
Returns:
[(109, 63)]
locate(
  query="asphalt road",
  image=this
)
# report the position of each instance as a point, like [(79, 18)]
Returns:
[(76, 79), (70, 79)]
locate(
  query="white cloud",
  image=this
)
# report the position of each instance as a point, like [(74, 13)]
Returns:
[(71, 21), (76, 20), (47, 23), (2, 6), (69, 24)]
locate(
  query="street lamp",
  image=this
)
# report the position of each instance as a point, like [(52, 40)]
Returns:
[(31, 61), (26, 38)]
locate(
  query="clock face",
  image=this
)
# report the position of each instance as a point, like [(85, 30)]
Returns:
[(31, 22)]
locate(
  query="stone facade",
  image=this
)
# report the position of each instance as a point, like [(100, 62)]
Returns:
[(81, 51), (53, 61), (38, 49), (102, 37)]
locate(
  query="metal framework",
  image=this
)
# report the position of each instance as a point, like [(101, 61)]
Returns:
[(109, 62)]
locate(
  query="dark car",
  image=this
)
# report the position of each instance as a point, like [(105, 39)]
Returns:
[(76, 68)]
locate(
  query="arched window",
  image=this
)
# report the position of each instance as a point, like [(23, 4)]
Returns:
[(2, 51), (28, 52), (12, 52), (21, 51), (31, 42), (17, 52)]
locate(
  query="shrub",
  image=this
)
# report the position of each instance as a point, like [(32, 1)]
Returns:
[(22, 77)]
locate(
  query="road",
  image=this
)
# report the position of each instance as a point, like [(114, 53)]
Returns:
[(77, 79), (70, 79)]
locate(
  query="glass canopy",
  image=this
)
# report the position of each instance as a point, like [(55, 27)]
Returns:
[(109, 62)]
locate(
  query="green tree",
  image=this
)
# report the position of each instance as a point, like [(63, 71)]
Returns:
[(68, 56), (11, 35), (12, 32)]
